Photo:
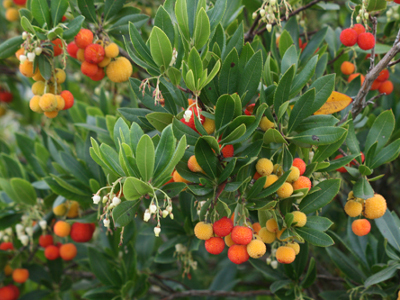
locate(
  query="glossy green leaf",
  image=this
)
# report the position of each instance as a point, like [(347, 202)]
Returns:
[(283, 89), (145, 162), (181, 13), (380, 131), (301, 110), (124, 213), (328, 190), (388, 228), (41, 12), (58, 9), (224, 111), (160, 47), (362, 189), (135, 188), (201, 29), (206, 158), (112, 7), (315, 237)]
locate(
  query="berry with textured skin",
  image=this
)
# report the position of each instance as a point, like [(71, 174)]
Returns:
[(299, 164), (60, 210), (302, 183), (80, 55), (62, 229), (89, 69), (38, 88), (375, 207), (12, 14), (68, 98), (19, 52), (94, 53), (264, 167), (347, 68), (6, 97), (294, 174), (119, 70), (7, 293), (73, 210), (256, 176), (341, 169), (60, 103), (266, 236), (241, 235), (105, 62), (20, 275), (348, 37), (7, 3), (58, 47), (52, 252), (300, 218), (26, 69), (82, 232), (223, 227), (272, 225), (271, 179), (16, 291), (355, 75), (84, 38), (203, 231), (99, 75), (46, 240), (34, 104), (209, 125), (256, 227), (353, 208), (178, 178), (285, 255), (266, 124), (256, 249), (386, 87), (228, 240), (383, 75), (59, 76), (249, 109), (111, 50), (193, 165), (238, 254), (361, 227), (228, 151), (295, 246), (72, 49), (359, 28), (278, 170), (37, 76), (20, 2), (51, 114), (366, 41), (4, 246), (215, 245), (191, 122), (48, 102), (376, 85), (286, 190), (68, 251)]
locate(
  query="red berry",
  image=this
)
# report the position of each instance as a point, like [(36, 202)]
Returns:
[(46, 240), (191, 123), (383, 75), (215, 245), (341, 169), (223, 227), (6, 97), (63, 19), (68, 98), (238, 254), (20, 2), (375, 85), (72, 49), (352, 163), (241, 235), (82, 232), (7, 293), (228, 151), (249, 109), (366, 41), (6, 246), (84, 38), (348, 37), (386, 87), (16, 291), (58, 47), (359, 28), (94, 53), (52, 252), (99, 75), (300, 164)]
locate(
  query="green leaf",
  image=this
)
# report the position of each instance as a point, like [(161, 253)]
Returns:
[(224, 111), (389, 229), (338, 163), (206, 158), (323, 89), (386, 155), (318, 120), (311, 274), (101, 268), (190, 81), (160, 120), (73, 27), (380, 131), (110, 157), (251, 78), (181, 13), (229, 75), (362, 189), (315, 237), (180, 130), (160, 47), (320, 136), (376, 5), (121, 27), (10, 46), (318, 223), (195, 64), (273, 136), (41, 12), (58, 9), (301, 110), (112, 7), (345, 264), (25, 191), (227, 171), (382, 275), (279, 284), (26, 25), (313, 45), (87, 9), (283, 89), (165, 150), (140, 45), (145, 154), (323, 152), (164, 22), (285, 42), (201, 29), (135, 188), (290, 58), (274, 187), (124, 213), (44, 67), (301, 79), (328, 190), (235, 134)]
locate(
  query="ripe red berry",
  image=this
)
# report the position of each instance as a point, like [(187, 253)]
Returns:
[(359, 28), (352, 163), (94, 53), (366, 41), (375, 85), (6, 97), (215, 245), (300, 164), (20, 2), (341, 169), (249, 109), (52, 252), (191, 122), (383, 75), (238, 254), (68, 98), (348, 37), (58, 47), (46, 240), (241, 235), (6, 246), (228, 151), (386, 87), (82, 232), (223, 227), (72, 49), (16, 291), (99, 75), (84, 38), (7, 293)]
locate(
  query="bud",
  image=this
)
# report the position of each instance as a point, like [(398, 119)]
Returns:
[(272, 2), (22, 58), (31, 56), (19, 228), (24, 218), (254, 15), (106, 222), (358, 19), (6, 238), (302, 23), (96, 199), (8, 231), (201, 203), (389, 13), (146, 216), (116, 201), (269, 27), (29, 231), (366, 15), (274, 264), (97, 91), (153, 208), (268, 261), (110, 206), (171, 216), (43, 224), (262, 12), (169, 208), (118, 99), (193, 264), (178, 247), (157, 231), (396, 16), (187, 115), (105, 199), (165, 213), (24, 240), (38, 50), (24, 35)]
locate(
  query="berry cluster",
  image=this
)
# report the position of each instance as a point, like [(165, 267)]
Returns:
[(69, 209), (357, 35), (371, 208), (97, 56), (12, 7)]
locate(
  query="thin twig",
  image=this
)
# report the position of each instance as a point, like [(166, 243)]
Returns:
[(345, 154), (371, 101), (394, 63), (372, 58), (250, 33), (336, 58)]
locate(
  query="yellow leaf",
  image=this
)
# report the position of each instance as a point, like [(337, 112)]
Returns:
[(336, 102)]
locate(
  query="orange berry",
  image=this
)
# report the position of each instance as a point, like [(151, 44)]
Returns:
[(375, 207), (203, 231), (19, 52), (302, 183), (348, 37), (68, 98), (366, 41), (215, 245), (193, 165), (59, 76), (285, 255), (58, 47), (256, 175), (223, 227), (228, 151), (209, 126), (361, 227), (38, 88), (352, 76), (256, 249), (94, 53), (347, 68), (376, 85), (241, 235), (20, 275), (60, 103), (299, 164), (68, 251), (111, 50), (26, 68), (238, 254), (286, 190), (82, 232), (37, 76), (89, 69), (46, 240), (272, 225), (359, 28), (119, 70), (256, 227), (228, 240), (52, 252), (84, 38), (383, 75), (12, 14), (62, 229), (179, 178), (386, 87)]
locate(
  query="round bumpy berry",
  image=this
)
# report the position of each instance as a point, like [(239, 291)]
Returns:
[(383, 75), (375, 207), (178, 178), (348, 37), (353, 208), (359, 28), (361, 227), (299, 218), (193, 165), (68, 251), (286, 190), (366, 41), (62, 229), (347, 68), (84, 38), (285, 255), (215, 245), (299, 164), (295, 246), (20, 275), (264, 166), (256, 227), (223, 227), (241, 235), (294, 174), (52, 252), (203, 231), (238, 254), (68, 99), (272, 225), (26, 69), (82, 232), (386, 87), (228, 151), (94, 53), (7, 293), (271, 179), (46, 240), (209, 126), (111, 50), (119, 70), (228, 240), (302, 183), (355, 75), (266, 236), (256, 249), (48, 102)]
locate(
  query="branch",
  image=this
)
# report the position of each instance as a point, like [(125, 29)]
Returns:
[(205, 293), (250, 34), (221, 189), (336, 58), (394, 63), (372, 58)]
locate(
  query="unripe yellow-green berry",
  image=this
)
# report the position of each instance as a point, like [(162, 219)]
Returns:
[(294, 174), (264, 167), (266, 124)]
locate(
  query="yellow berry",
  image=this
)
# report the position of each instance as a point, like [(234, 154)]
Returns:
[(353, 208), (178, 178), (7, 3), (48, 102), (60, 103), (294, 174), (111, 50), (60, 210), (375, 207), (37, 76), (38, 88), (300, 218), (271, 179), (286, 190), (26, 68), (264, 167), (285, 255), (228, 240), (105, 62), (34, 104), (12, 14), (266, 236), (295, 246), (51, 114), (73, 211), (278, 170), (119, 70), (193, 165), (272, 225), (203, 231), (209, 126), (60, 76), (80, 55), (266, 124), (256, 249)]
